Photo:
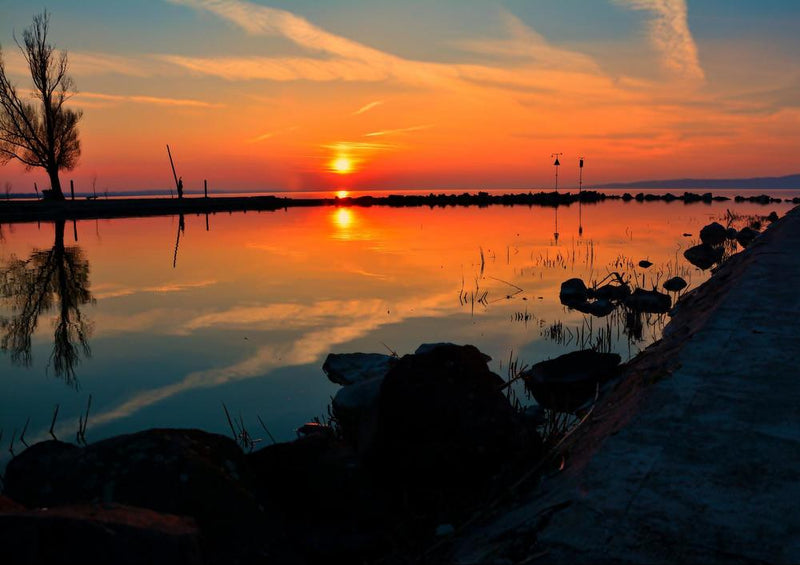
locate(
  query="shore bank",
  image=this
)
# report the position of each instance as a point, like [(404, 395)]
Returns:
[(692, 456), (42, 210)]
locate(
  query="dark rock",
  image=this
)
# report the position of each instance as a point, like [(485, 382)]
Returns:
[(444, 422), (713, 234), (183, 472), (97, 534), (349, 368), (573, 291), (703, 256), (731, 233), (645, 264), (612, 291), (356, 410), (675, 284), (332, 508), (650, 301), (773, 217), (756, 225), (566, 382), (746, 236)]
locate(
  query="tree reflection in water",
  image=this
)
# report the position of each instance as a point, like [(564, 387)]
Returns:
[(53, 279)]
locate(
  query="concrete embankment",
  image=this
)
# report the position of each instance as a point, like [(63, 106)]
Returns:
[(693, 457)]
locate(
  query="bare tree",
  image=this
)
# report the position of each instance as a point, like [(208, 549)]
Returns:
[(43, 133)]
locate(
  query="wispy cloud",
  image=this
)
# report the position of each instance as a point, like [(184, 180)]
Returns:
[(154, 100), (87, 63), (357, 146), (671, 35), (114, 291), (367, 107), (353, 319), (270, 134), (396, 131)]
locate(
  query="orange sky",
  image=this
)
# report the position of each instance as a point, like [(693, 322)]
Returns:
[(266, 96)]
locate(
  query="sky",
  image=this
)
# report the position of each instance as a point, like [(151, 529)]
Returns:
[(446, 94)]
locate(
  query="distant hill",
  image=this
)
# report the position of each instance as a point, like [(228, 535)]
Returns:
[(790, 181)]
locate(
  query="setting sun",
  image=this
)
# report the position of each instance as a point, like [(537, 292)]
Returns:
[(342, 165)]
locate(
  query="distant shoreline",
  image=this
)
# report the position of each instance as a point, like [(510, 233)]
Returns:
[(14, 211)]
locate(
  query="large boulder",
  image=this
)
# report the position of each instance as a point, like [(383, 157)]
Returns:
[(356, 409), (713, 234), (183, 472), (567, 382), (97, 534), (703, 256), (444, 421), (331, 507), (350, 368)]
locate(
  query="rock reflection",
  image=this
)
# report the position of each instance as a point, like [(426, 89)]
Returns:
[(50, 279)]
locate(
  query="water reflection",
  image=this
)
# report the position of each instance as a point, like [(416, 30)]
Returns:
[(49, 279)]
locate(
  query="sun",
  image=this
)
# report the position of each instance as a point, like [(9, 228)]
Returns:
[(342, 165)]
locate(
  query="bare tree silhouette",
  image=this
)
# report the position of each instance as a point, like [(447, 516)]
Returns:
[(42, 134), (56, 278)]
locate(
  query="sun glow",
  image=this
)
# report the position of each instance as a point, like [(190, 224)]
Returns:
[(342, 165), (342, 193)]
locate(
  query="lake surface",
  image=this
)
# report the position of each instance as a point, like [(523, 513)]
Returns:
[(161, 325)]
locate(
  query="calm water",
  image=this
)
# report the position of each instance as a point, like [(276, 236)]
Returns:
[(247, 306)]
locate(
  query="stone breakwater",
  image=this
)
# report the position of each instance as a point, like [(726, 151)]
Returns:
[(27, 211)]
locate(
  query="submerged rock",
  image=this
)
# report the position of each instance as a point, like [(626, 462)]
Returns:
[(350, 368), (649, 301), (675, 284), (713, 234), (568, 381), (573, 291), (703, 256)]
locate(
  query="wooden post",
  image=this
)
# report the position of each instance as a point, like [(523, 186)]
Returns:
[(72, 188), (174, 174), (205, 187), (36, 188)]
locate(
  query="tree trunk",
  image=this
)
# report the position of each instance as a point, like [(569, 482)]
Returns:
[(55, 185)]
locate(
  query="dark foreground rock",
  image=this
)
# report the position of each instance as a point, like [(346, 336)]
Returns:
[(97, 534), (443, 438), (181, 472), (569, 381)]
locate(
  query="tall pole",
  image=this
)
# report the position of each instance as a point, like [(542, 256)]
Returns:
[(580, 200), (174, 174), (556, 164)]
